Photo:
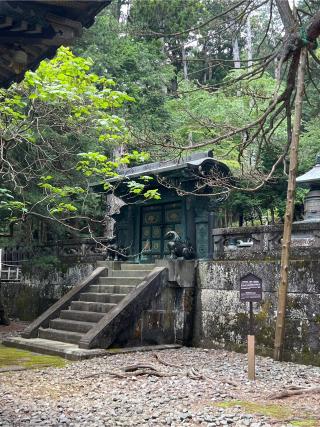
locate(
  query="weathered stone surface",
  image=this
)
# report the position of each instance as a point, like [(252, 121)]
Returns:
[(221, 319), (180, 272), (28, 299), (169, 316), (304, 275), (126, 311), (43, 320)]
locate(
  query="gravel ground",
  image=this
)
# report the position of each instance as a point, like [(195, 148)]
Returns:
[(218, 394), (13, 329)]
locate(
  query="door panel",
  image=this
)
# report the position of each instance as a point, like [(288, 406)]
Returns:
[(156, 222)]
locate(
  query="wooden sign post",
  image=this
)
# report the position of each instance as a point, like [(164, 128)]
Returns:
[(251, 291)]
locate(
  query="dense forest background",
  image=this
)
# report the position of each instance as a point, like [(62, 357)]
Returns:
[(153, 80), (189, 82)]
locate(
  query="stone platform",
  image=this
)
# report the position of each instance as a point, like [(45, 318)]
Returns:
[(72, 351), (54, 348)]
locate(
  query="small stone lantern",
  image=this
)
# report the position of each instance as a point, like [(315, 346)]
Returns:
[(312, 199)]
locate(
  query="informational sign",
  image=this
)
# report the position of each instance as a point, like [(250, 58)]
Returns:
[(250, 288)]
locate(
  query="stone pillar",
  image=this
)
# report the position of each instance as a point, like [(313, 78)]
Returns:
[(212, 223), (190, 222)]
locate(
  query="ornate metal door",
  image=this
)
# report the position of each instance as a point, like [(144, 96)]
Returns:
[(156, 222)]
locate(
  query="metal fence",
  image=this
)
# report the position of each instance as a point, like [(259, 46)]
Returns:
[(9, 272)]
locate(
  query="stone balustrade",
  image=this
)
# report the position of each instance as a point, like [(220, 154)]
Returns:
[(262, 241), (74, 249)]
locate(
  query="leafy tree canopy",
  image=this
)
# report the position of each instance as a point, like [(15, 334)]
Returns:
[(58, 129)]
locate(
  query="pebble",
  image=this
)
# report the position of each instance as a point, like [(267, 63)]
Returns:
[(63, 397)]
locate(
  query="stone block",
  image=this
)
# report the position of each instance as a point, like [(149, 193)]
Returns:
[(180, 272)]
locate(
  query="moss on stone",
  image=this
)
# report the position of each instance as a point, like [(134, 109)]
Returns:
[(278, 412), (312, 422), (113, 350), (269, 410), (12, 357)]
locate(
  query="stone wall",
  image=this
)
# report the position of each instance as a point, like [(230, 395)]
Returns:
[(169, 318), (27, 299), (221, 320)]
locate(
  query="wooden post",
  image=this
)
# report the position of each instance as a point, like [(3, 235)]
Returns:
[(251, 358), (251, 346), (286, 240)]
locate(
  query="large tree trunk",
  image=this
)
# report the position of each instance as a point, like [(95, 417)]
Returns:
[(286, 240), (184, 62), (249, 43), (236, 53)]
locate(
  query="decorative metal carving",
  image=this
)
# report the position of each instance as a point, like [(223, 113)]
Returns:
[(71, 250), (179, 248)]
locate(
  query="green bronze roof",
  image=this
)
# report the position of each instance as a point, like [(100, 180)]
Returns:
[(313, 175), (173, 167)]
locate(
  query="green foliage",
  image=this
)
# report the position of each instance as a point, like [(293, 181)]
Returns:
[(234, 107), (59, 113), (309, 145), (44, 264), (138, 66), (127, 89)]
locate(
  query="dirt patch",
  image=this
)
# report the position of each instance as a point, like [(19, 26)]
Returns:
[(13, 329)]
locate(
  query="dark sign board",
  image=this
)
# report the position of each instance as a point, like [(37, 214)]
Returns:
[(250, 288)]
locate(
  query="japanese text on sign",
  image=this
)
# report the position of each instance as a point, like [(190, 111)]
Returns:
[(250, 288)]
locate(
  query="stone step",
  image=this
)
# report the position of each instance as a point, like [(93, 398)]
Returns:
[(81, 315), (71, 325), (119, 281), (101, 297), (128, 273), (72, 351), (109, 264), (97, 307), (58, 335), (128, 266), (102, 264), (111, 289)]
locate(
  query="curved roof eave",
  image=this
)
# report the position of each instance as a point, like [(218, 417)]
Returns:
[(36, 29)]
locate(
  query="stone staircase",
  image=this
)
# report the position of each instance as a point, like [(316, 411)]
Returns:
[(118, 304), (92, 305)]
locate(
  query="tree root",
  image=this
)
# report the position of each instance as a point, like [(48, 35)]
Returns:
[(163, 362), (294, 391), (134, 371), (194, 374), (111, 373), (132, 368), (147, 372)]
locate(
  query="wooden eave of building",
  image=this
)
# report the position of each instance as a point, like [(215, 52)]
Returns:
[(31, 31), (185, 169)]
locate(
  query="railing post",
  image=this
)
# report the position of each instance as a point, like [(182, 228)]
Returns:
[(211, 226), (218, 245)]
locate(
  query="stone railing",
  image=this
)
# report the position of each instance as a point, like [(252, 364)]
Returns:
[(82, 249), (252, 242), (43, 320), (76, 249)]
